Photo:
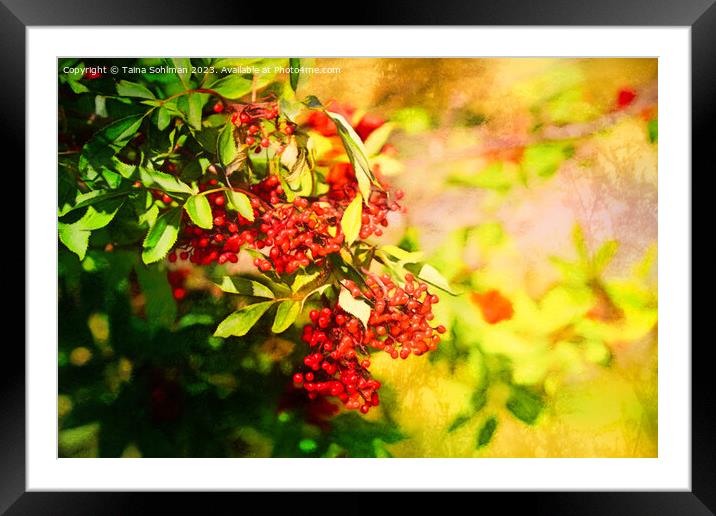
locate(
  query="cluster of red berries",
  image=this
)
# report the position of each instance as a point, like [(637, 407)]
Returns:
[(292, 230), (399, 324), (343, 187), (260, 125), (219, 244)]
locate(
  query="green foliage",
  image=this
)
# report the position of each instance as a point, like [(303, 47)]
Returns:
[(486, 432), (199, 210), (161, 236), (241, 321), (285, 315), (525, 404)]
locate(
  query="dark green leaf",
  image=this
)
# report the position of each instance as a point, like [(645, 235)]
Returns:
[(160, 308), (525, 404), (246, 287), (163, 181), (295, 64), (485, 434), (163, 118), (459, 421), (653, 129), (132, 89)]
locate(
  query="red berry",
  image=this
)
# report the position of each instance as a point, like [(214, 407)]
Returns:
[(250, 140), (298, 378), (244, 117), (625, 97), (288, 129), (265, 142), (218, 107), (166, 199), (179, 293)]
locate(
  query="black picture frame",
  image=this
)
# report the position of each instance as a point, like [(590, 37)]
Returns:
[(700, 15)]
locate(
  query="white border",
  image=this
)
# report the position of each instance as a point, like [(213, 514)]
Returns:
[(671, 470)]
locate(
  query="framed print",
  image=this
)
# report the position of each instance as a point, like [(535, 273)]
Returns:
[(425, 258)]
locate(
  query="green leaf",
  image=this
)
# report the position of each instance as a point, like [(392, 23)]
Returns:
[(76, 235), (351, 220), (241, 321), (245, 287), (161, 236), (356, 151), (77, 87), (184, 70), (196, 102), (226, 144), (401, 255), (485, 434), (432, 275), (294, 63), (132, 89), (75, 238), (355, 307), (233, 86), (88, 198), (100, 106), (459, 421), (241, 203), (358, 436), (525, 405), (163, 181), (302, 280), (160, 308), (107, 142), (199, 210), (164, 118), (318, 290), (652, 128), (99, 215), (285, 315)]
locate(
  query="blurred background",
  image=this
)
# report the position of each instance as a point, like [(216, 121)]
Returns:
[(531, 184)]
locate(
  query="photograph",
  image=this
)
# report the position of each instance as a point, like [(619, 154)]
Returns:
[(357, 257)]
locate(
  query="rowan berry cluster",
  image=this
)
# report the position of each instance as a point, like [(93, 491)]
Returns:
[(343, 187), (399, 324), (294, 230), (222, 242), (260, 125)]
